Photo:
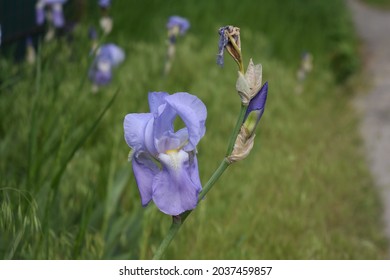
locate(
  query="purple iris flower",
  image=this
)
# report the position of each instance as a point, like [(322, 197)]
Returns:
[(101, 72), (56, 9), (39, 13), (107, 57), (111, 51), (164, 160), (182, 23), (104, 3), (58, 16), (256, 109)]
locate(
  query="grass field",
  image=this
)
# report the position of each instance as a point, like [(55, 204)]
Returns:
[(67, 190)]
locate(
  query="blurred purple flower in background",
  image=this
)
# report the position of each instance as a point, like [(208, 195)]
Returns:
[(107, 57), (176, 26), (40, 12), (180, 23), (104, 3), (55, 11), (164, 160), (111, 51), (58, 15)]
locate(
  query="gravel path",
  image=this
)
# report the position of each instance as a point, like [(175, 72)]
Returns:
[(373, 27)]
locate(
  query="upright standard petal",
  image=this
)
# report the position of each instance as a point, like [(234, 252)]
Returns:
[(193, 113), (156, 99), (134, 127)]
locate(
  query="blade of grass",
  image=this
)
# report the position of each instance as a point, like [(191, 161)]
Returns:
[(57, 177), (33, 125)]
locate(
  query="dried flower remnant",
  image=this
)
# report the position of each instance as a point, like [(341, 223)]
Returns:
[(164, 160), (230, 40)]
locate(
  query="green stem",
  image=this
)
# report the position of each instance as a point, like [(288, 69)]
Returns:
[(221, 168), (175, 226), (179, 220), (236, 130)]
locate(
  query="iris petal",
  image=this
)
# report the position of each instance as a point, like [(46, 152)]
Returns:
[(134, 127), (39, 15), (156, 99), (58, 16), (192, 167), (181, 22), (174, 191), (258, 102), (144, 170), (193, 113), (163, 124)]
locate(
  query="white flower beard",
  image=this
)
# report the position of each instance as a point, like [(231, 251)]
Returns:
[(173, 160)]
